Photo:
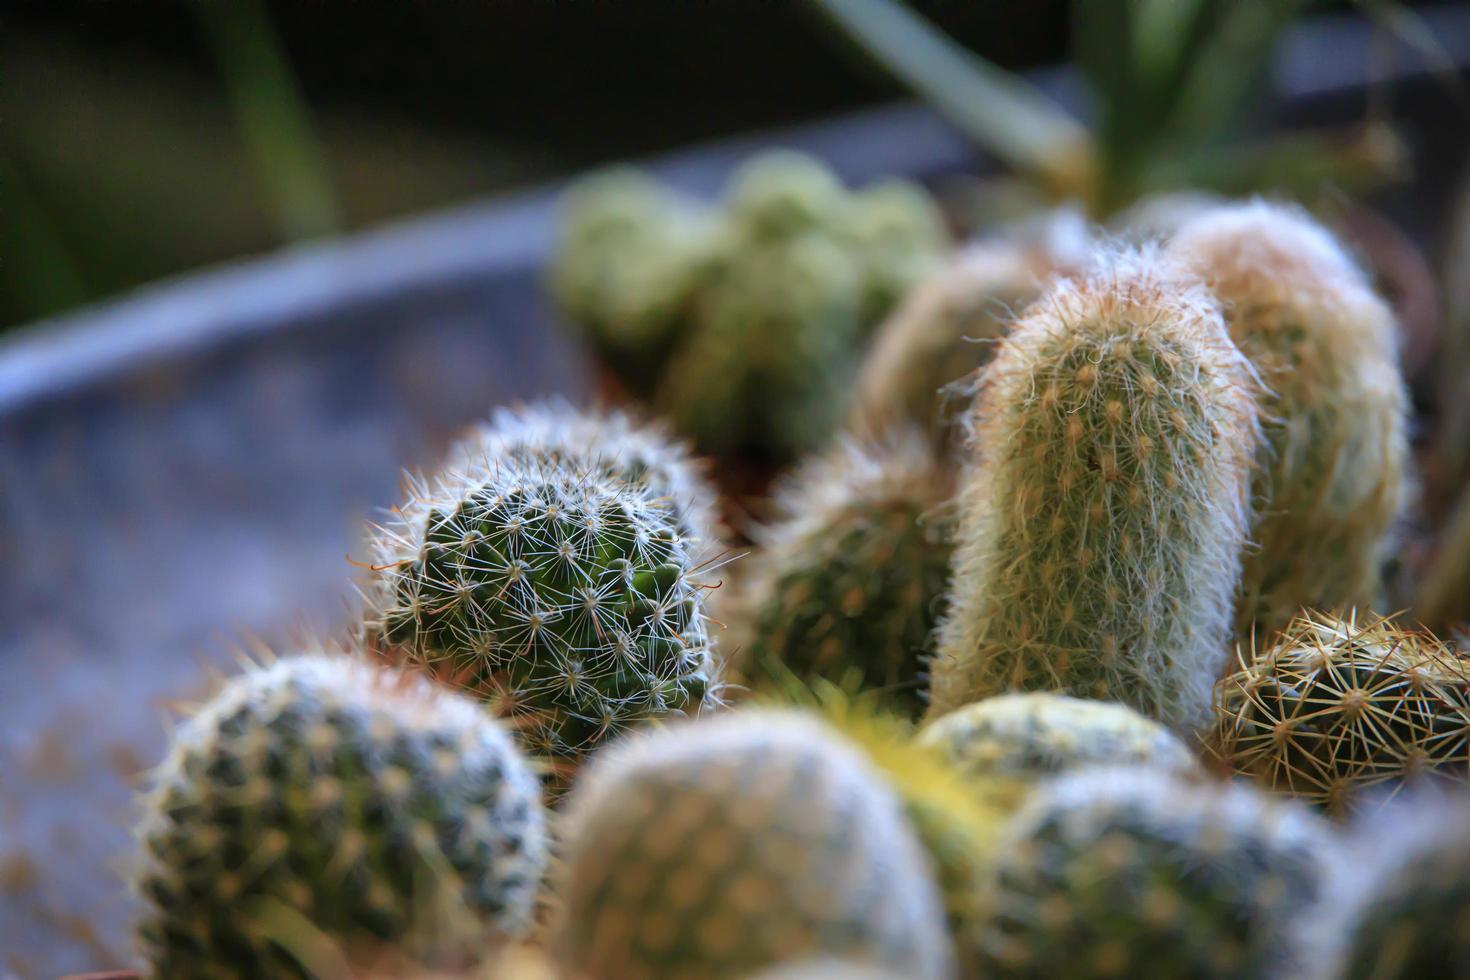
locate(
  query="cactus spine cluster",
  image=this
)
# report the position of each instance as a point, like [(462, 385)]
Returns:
[(1331, 479), (328, 796), (553, 587), (1335, 707), (1136, 873), (738, 844), (1102, 522), (852, 575)]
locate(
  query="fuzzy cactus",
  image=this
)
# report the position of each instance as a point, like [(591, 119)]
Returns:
[(1137, 873), (947, 326), (852, 574), (325, 803), (551, 587), (730, 846), (1335, 707), (1331, 477), (630, 258), (1037, 734), (1102, 520)]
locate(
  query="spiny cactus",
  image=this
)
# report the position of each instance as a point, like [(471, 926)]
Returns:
[(1101, 524), (1335, 707), (545, 584), (947, 326), (852, 575), (1402, 899), (1035, 735), (725, 847), (1331, 480), (323, 796), (1136, 873), (630, 257)]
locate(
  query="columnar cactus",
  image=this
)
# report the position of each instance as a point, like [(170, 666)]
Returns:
[(1036, 735), (725, 847), (548, 585), (1101, 524), (1331, 479), (1336, 707), (326, 796), (852, 575), (1137, 873)]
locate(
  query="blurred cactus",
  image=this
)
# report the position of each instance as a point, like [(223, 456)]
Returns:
[(324, 807), (897, 233), (1102, 524), (1158, 217), (630, 257), (949, 324), (1137, 873), (551, 587), (1334, 708), (852, 575), (1331, 475), (730, 846)]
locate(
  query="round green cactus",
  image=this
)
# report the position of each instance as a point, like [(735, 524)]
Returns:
[(898, 235), (1331, 480), (1135, 873), (1101, 525), (552, 588), (326, 797), (725, 847), (852, 575)]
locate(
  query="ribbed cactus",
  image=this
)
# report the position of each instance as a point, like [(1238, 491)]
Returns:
[(1101, 525), (552, 587), (325, 807), (1035, 735), (1136, 873), (851, 577), (1331, 474), (725, 847), (630, 258), (1336, 707)]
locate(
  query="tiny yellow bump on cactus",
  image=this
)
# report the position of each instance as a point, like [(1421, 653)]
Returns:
[(1332, 478), (1150, 620)]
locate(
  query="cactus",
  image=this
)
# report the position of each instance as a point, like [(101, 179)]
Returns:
[(1331, 480), (548, 585), (729, 846), (898, 235), (1137, 873), (1403, 898), (325, 796), (1335, 707), (781, 195), (853, 573), (629, 261), (1036, 735), (1101, 526), (948, 325)]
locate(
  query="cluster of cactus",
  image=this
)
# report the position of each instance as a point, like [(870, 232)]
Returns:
[(766, 310), (1331, 471), (324, 809), (852, 575), (739, 844), (1138, 873), (552, 586), (1102, 523), (1335, 708)]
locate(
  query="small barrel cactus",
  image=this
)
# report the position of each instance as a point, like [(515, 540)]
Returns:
[(1331, 477), (1038, 734), (324, 796), (781, 195), (551, 587), (852, 575), (630, 258), (1137, 873), (1335, 707), (1101, 525), (725, 847)]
